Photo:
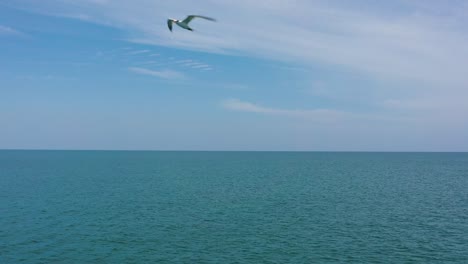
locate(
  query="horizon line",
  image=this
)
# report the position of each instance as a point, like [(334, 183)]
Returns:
[(201, 150)]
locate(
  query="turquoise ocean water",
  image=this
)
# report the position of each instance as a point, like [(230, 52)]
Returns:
[(233, 207)]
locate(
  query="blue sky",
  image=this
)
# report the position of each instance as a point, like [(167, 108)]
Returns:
[(268, 75)]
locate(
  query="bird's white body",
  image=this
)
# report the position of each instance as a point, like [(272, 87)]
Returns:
[(184, 23)]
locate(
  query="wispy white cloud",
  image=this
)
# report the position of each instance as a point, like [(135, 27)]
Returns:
[(8, 31), (198, 66), (201, 66), (317, 114), (138, 57), (137, 52), (418, 49), (164, 74), (412, 42), (183, 61), (448, 105), (149, 62), (235, 86), (82, 17), (46, 77), (194, 64)]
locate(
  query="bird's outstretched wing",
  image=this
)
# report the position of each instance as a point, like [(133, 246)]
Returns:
[(169, 24), (189, 18)]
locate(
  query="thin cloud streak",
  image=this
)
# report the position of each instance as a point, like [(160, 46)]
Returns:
[(318, 114), (136, 52), (164, 74), (8, 31)]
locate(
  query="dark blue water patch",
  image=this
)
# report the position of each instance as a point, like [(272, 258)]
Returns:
[(233, 207)]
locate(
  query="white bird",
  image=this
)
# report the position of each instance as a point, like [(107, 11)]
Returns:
[(184, 23)]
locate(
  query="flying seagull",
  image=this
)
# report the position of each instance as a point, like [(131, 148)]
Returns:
[(184, 23)]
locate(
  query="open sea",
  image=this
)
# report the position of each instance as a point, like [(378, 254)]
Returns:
[(233, 207)]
